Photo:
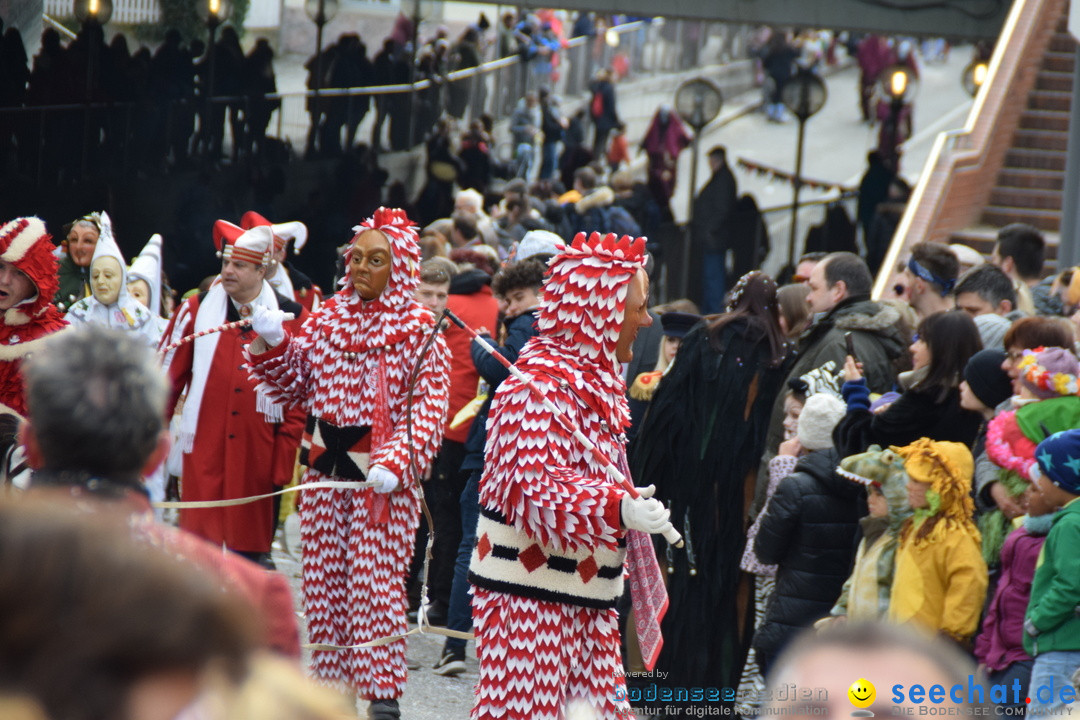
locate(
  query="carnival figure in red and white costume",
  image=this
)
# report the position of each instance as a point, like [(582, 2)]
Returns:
[(547, 569), (28, 282), (350, 367)]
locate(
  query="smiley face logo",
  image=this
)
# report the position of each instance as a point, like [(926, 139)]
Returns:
[(862, 693)]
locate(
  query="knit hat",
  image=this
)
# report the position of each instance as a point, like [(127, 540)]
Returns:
[(989, 383), (992, 329), (26, 244), (1049, 372), (819, 416), (1059, 460), (677, 324), (539, 242)]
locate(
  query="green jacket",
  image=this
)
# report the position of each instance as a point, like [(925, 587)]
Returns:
[(74, 283), (1055, 591)]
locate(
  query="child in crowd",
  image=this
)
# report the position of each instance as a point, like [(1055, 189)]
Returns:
[(752, 684), (618, 153), (940, 578), (865, 596), (1047, 403), (1051, 625), (808, 531), (1000, 646)]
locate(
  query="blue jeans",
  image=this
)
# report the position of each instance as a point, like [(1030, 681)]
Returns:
[(713, 282), (1052, 672), (459, 614)]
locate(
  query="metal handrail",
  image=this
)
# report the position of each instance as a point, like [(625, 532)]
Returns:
[(59, 26), (947, 141)]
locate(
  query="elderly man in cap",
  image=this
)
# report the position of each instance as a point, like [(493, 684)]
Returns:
[(236, 441)]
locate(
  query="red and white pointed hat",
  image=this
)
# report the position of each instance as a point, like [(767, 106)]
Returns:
[(233, 242), (283, 232)]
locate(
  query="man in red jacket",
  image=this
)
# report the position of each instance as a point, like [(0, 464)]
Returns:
[(237, 442)]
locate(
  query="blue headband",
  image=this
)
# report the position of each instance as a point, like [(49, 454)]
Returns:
[(923, 274)]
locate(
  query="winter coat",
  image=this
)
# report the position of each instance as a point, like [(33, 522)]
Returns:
[(1055, 591), (809, 533), (710, 227), (597, 212), (471, 300), (940, 585), (1001, 642), (518, 332), (878, 342), (914, 415)]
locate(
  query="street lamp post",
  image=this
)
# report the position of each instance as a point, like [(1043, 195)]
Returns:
[(319, 12), (974, 76), (92, 15), (698, 102), (804, 95), (898, 83), (213, 13)]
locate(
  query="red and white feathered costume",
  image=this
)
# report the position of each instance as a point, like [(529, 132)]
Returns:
[(547, 568), (25, 243), (349, 368)]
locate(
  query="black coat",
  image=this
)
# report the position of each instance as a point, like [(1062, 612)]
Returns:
[(914, 415), (710, 227), (809, 532)]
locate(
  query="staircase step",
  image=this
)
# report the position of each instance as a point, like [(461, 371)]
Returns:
[(1062, 43), (1027, 198), (1052, 120), (1042, 219), (1035, 159), (1028, 178), (1057, 81), (1058, 62), (1056, 100), (984, 237), (1040, 140)]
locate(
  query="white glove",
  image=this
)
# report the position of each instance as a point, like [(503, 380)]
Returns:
[(385, 481), (645, 513), (268, 324)]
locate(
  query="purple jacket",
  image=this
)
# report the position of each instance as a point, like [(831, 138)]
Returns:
[(1000, 644)]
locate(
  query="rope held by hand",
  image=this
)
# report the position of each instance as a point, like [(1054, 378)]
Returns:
[(210, 331)]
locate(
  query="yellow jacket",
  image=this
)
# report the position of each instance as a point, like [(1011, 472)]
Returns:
[(940, 585)]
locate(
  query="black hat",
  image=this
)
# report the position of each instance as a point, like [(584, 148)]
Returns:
[(983, 373), (677, 324)]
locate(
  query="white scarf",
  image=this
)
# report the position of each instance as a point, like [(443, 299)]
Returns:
[(282, 282), (211, 314)]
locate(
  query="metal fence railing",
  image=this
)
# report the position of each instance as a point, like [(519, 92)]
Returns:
[(70, 139)]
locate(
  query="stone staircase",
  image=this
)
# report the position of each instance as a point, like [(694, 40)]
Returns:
[(1028, 187)]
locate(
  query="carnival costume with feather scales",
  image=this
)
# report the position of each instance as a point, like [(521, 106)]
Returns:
[(26, 245), (548, 564), (349, 368)]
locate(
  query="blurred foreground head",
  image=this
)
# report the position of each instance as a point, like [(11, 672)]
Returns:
[(814, 674), (94, 626)]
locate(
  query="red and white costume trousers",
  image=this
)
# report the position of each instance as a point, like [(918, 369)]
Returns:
[(538, 659), (354, 575)]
